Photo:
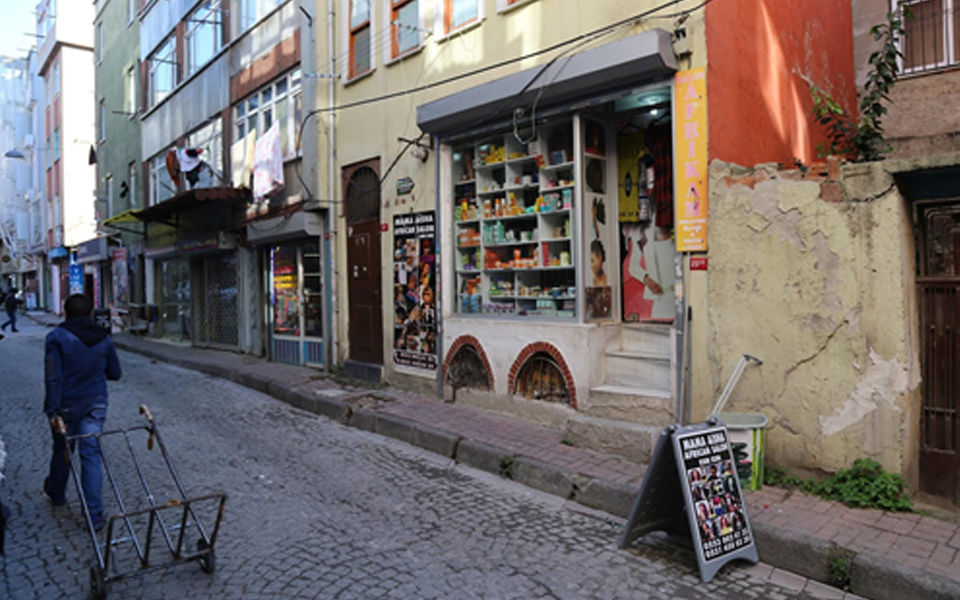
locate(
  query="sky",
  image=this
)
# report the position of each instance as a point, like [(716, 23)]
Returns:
[(17, 20)]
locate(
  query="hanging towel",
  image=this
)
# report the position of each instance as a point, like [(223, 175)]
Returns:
[(268, 164)]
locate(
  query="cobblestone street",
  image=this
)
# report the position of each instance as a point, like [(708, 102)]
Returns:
[(318, 510)]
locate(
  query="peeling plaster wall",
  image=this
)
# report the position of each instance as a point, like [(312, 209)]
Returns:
[(819, 291)]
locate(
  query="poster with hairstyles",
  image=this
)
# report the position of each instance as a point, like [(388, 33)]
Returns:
[(599, 252), (710, 479), (414, 291)]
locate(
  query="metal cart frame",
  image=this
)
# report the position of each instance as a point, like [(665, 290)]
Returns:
[(100, 574)]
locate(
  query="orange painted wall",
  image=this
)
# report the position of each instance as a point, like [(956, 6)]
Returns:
[(757, 52)]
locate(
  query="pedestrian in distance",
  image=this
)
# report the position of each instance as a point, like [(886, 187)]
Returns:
[(79, 359), (10, 303)]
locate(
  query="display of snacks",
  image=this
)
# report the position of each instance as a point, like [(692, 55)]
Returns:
[(512, 234)]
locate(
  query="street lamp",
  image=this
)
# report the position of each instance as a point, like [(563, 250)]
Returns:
[(15, 154)]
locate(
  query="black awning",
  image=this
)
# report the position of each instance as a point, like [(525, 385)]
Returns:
[(191, 199), (625, 63)]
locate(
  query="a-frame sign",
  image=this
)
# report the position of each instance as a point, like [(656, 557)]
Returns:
[(691, 488)]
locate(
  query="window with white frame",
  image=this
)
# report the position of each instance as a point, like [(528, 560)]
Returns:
[(99, 43), (130, 106), (281, 101), (360, 39), (503, 5), (932, 36), (109, 185), (252, 11), (204, 34), (49, 17), (163, 71), (404, 27), (102, 121), (161, 188), (56, 78), (56, 144), (132, 184), (460, 13)]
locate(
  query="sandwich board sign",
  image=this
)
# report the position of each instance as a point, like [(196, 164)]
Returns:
[(691, 489)]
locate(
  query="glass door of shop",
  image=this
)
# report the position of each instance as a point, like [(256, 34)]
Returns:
[(296, 304)]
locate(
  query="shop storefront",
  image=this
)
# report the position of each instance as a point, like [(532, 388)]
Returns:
[(93, 255), (293, 271), (197, 282), (559, 225)]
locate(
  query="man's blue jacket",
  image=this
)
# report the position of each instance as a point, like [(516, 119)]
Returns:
[(79, 358)]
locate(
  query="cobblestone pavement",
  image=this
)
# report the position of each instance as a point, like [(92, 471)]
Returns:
[(316, 509)]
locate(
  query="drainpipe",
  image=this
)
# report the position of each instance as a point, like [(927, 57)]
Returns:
[(438, 249), (330, 234)]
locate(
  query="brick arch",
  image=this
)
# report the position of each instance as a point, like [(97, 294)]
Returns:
[(547, 348), (473, 342)]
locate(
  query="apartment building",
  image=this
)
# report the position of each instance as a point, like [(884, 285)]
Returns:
[(520, 192), (924, 134), (65, 65), (229, 232)]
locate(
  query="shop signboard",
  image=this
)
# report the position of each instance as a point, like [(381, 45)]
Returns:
[(691, 488), (76, 277), (690, 159), (121, 279), (414, 290)]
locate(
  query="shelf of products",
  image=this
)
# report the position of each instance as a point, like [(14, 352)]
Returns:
[(513, 214)]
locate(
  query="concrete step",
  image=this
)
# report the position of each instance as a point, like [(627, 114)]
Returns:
[(654, 339), (652, 407), (632, 441), (636, 369)]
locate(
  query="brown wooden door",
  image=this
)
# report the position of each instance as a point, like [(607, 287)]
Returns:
[(365, 335), (938, 291)]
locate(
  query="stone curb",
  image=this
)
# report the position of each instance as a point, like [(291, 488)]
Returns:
[(396, 427), (542, 476), (363, 418), (483, 456), (332, 408), (793, 551), (436, 440), (884, 579), (609, 496)]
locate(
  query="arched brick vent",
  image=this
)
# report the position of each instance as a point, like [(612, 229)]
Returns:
[(541, 373), (466, 365)]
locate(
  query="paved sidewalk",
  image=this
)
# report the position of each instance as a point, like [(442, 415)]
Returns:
[(895, 556)]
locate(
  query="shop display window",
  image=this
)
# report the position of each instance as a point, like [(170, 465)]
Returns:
[(297, 289), (515, 223), (286, 301)]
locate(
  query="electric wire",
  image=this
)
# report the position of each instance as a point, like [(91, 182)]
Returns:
[(578, 39)]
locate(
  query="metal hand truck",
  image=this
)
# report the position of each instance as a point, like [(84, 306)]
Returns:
[(732, 382), (181, 515)]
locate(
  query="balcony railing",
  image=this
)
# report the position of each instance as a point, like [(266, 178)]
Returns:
[(932, 40)]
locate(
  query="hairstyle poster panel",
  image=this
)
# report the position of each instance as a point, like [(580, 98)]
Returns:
[(600, 215), (414, 289), (718, 518)]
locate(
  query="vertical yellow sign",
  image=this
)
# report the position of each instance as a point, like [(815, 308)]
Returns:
[(690, 159)]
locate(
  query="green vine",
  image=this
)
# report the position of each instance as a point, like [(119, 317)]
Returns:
[(862, 141)]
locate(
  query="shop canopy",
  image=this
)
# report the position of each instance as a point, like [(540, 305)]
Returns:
[(590, 76), (183, 202)]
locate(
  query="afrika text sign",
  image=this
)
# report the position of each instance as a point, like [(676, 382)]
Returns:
[(690, 160)]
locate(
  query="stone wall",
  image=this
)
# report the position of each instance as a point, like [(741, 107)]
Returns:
[(812, 271)]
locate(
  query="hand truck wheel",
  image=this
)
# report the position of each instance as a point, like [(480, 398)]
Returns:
[(208, 562), (97, 585)]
